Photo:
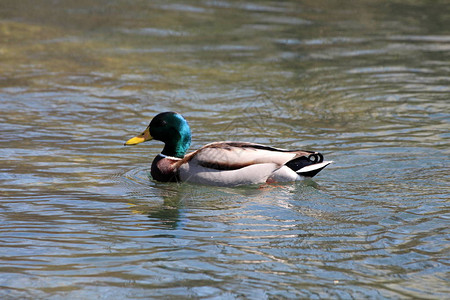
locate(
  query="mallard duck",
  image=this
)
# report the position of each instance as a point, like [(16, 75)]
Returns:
[(222, 163)]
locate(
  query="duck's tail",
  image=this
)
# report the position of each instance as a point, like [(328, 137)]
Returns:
[(308, 166)]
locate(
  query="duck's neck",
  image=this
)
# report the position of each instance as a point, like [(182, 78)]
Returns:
[(178, 146)]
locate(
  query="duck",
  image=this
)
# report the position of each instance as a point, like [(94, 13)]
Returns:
[(224, 163)]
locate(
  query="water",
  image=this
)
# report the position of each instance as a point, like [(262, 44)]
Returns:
[(367, 84)]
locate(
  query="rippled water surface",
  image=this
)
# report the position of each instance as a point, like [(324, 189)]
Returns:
[(365, 83)]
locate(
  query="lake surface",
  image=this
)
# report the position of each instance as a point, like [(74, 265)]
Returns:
[(366, 83)]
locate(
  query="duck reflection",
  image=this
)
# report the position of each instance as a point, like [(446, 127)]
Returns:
[(161, 204), (164, 203)]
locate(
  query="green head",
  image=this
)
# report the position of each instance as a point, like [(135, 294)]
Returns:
[(171, 129)]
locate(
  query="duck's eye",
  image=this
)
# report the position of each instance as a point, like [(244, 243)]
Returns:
[(159, 123)]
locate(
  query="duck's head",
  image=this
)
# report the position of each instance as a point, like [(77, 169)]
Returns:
[(171, 129)]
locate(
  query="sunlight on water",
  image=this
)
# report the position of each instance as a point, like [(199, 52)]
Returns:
[(367, 85)]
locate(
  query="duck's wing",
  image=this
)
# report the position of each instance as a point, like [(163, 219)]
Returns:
[(236, 155)]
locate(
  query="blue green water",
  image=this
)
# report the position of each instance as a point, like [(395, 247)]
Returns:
[(366, 84)]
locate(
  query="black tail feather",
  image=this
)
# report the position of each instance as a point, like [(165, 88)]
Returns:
[(313, 172), (297, 164), (303, 161)]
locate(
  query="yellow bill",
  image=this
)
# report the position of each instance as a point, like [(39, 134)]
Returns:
[(143, 137)]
